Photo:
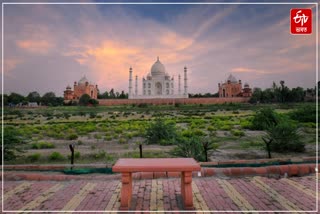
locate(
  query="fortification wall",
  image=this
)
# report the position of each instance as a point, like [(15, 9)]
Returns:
[(211, 100)]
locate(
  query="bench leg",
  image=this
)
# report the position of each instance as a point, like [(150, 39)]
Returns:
[(126, 191), (186, 190)]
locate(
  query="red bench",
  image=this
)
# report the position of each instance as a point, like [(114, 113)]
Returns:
[(130, 165)]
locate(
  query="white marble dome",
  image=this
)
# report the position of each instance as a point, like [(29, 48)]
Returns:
[(158, 69)]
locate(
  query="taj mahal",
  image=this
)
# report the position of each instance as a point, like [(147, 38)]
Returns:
[(158, 84)]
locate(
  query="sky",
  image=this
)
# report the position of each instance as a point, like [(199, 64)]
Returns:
[(47, 47)]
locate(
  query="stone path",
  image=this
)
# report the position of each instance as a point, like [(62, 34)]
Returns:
[(209, 193)]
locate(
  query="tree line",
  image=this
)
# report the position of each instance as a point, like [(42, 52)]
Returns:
[(113, 95), (48, 99), (282, 94)]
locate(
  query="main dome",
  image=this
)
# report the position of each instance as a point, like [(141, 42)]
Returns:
[(232, 79), (158, 69), (83, 80)]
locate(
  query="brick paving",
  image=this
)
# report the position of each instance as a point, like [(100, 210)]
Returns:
[(163, 194)]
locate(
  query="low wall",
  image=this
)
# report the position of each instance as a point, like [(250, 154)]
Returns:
[(211, 100)]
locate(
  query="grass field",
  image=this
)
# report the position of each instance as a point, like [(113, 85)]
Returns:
[(103, 134)]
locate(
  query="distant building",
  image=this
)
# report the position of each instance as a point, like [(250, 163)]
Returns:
[(233, 88), (158, 84), (80, 88)]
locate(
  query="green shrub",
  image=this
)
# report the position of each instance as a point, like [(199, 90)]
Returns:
[(285, 138), (225, 127), (93, 115), (237, 132), (198, 132), (108, 138), (264, 119), (72, 136), (12, 140), (77, 155), (160, 132), (55, 156), (193, 147), (305, 114), (99, 155), (211, 128), (42, 145), (34, 157), (123, 140)]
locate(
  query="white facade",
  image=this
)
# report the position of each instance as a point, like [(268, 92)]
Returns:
[(157, 84)]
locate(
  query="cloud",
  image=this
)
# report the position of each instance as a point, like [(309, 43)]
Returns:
[(104, 41), (10, 64), (35, 46), (247, 70)]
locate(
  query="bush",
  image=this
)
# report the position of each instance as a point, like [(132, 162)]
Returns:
[(264, 119), (42, 145), (193, 147), (84, 99), (11, 141), (160, 132), (123, 140), (55, 156), (34, 157), (305, 114), (77, 155), (93, 115), (93, 102), (99, 155), (72, 136), (285, 138), (237, 132)]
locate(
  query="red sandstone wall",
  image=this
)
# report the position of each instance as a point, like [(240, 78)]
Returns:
[(215, 100)]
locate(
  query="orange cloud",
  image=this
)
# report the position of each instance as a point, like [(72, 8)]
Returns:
[(248, 70), (10, 64), (173, 40), (35, 46)]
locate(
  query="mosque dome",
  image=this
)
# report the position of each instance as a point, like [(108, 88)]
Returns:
[(246, 85), (83, 80), (158, 69), (232, 79)]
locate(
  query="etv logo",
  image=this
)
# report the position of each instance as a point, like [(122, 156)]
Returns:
[(301, 21)]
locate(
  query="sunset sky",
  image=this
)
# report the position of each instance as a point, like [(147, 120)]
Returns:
[(47, 47)]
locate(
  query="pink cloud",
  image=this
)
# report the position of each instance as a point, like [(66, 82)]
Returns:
[(35, 46)]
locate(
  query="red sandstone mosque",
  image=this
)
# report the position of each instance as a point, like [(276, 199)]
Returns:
[(233, 88), (80, 88)]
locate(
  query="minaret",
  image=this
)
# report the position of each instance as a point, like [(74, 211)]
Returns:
[(185, 82), (136, 86), (179, 85), (130, 82)]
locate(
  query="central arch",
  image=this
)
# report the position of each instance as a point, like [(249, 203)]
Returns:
[(158, 88)]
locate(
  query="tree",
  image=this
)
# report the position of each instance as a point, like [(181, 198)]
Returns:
[(84, 100), (122, 95), (15, 98), (193, 147), (284, 137), (34, 97), (112, 94), (93, 102), (264, 119), (160, 132), (11, 141), (50, 99), (256, 96)]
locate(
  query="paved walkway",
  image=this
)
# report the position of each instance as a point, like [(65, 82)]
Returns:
[(210, 193)]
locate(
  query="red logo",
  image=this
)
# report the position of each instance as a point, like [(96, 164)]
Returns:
[(301, 21)]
